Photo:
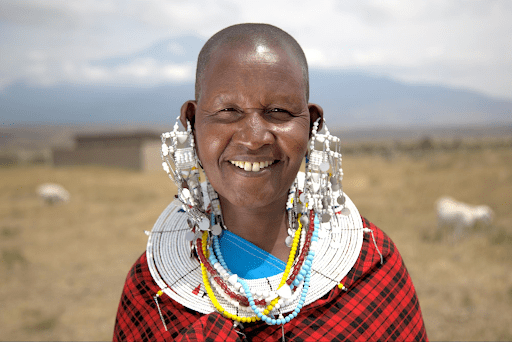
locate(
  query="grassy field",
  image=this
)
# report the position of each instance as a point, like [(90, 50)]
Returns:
[(62, 267)]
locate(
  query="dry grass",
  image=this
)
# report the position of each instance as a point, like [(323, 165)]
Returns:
[(63, 267)]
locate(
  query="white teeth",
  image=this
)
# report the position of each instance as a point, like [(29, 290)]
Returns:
[(248, 166)]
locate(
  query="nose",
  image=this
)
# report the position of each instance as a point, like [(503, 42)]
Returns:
[(254, 131)]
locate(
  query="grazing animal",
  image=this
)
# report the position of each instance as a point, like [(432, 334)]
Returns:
[(52, 193), (459, 218)]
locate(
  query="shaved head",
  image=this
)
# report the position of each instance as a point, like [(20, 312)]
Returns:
[(251, 36)]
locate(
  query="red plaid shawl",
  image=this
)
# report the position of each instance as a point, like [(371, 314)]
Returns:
[(380, 305)]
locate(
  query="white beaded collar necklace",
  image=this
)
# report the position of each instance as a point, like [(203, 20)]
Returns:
[(178, 273)]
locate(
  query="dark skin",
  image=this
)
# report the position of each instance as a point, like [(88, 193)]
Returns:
[(253, 109)]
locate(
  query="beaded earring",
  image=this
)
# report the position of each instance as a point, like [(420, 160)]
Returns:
[(323, 191), (181, 163), (324, 175)]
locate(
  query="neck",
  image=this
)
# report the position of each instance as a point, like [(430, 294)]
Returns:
[(266, 227)]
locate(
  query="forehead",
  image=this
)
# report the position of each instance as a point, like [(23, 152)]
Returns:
[(257, 68)]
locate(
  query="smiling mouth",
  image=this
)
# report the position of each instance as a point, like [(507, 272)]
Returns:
[(254, 167)]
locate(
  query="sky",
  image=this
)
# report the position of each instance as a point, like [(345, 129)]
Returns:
[(457, 43)]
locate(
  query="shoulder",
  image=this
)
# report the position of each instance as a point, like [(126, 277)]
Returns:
[(139, 282), (140, 318), (379, 258), (384, 286), (377, 241), (378, 302), (136, 314)]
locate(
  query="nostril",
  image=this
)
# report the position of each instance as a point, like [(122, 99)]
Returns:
[(254, 132)]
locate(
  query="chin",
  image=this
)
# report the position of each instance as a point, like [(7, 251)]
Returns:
[(255, 198)]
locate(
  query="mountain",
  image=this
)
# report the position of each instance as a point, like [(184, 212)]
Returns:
[(357, 99), (349, 98)]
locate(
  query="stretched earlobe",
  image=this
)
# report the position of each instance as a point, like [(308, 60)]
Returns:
[(188, 112), (315, 112)]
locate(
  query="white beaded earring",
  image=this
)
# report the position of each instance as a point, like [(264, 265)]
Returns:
[(181, 163), (323, 191)]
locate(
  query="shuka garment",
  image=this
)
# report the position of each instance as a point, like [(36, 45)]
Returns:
[(379, 304)]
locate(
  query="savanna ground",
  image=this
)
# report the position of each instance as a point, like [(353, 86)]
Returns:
[(62, 267)]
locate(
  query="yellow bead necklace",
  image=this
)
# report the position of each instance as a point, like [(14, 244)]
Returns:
[(211, 295)]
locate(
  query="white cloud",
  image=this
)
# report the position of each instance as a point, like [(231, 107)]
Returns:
[(150, 72), (142, 72), (456, 42)]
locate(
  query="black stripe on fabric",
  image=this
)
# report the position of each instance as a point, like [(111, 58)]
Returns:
[(401, 318), (148, 334), (366, 223)]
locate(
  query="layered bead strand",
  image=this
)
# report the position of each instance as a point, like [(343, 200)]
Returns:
[(307, 268), (217, 268), (218, 277), (209, 290)]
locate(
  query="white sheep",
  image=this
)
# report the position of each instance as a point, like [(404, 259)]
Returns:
[(460, 218), (52, 193)]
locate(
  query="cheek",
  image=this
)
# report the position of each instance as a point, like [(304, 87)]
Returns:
[(301, 149), (209, 145), (296, 137), (298, 144)]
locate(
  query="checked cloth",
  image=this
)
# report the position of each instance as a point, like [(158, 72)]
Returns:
[(380, 304)]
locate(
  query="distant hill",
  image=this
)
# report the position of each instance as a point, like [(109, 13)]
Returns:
[(349, 99), (363, 100)]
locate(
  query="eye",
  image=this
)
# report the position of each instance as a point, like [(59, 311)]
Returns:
[(279, 110), (228, 114), (280, 113)]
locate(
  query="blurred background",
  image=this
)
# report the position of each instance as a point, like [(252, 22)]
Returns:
[(419, 92)]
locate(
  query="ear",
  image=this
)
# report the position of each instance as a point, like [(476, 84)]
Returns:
[(188, 112), (315, 112)]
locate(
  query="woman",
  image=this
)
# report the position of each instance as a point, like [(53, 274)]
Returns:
[(260, 251)]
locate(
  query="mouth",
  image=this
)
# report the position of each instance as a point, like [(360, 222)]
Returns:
[(252, 167)]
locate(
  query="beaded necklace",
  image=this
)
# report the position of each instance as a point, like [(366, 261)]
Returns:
[(301, 273), (335, 248)]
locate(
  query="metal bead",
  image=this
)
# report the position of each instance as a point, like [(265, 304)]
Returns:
[(216, 229), (324, 167), (204, 224), (189, 236), (304, 220), (341, 200), (326, 217), (302, 198)]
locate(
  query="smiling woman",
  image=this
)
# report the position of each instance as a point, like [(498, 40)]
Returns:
[(261, 251), (252, 108)]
